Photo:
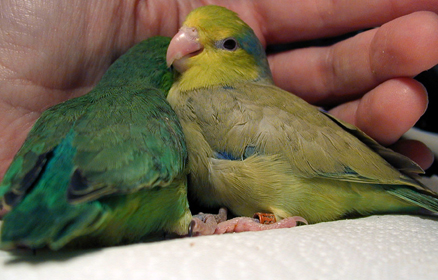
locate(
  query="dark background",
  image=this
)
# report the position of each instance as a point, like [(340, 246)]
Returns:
[(429, 120)]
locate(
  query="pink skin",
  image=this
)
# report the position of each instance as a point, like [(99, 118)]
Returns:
[(183, 45), (208, 224), (241, 224)]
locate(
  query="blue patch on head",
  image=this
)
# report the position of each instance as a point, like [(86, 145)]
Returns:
[(251, 44)]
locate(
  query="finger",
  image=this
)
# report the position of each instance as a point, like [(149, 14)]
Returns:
[(415, 150), (284, 21), (388, 111), (405, 46)]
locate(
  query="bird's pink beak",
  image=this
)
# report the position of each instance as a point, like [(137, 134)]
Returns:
[(183, 45)]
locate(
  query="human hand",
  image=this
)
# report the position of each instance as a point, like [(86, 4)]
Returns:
[(51, 51), (369, 77)]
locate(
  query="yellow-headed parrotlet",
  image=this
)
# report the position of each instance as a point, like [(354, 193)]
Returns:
[(254, 147), (104, 169)]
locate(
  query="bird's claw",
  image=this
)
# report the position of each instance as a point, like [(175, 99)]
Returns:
[(208, 224), (242, 224), (205, 224)]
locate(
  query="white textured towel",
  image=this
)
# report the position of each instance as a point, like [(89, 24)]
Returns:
[(377, 247)]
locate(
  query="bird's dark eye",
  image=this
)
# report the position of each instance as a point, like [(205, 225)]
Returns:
[(229, 44)]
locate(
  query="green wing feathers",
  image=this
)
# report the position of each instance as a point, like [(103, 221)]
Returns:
[(43, 215), (103, 169), (139, 145)]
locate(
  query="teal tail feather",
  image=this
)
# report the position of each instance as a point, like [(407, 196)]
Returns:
[(423, 200), (44, 217)]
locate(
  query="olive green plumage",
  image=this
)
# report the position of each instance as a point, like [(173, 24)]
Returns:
[(256, 148), (103, 169)]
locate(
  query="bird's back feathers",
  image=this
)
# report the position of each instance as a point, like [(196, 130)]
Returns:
[(109, 165), (255, 147)]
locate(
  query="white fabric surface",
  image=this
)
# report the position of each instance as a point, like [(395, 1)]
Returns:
[(377, 247)]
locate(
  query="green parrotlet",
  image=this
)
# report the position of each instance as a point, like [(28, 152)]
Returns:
[(254, 147), (104, 169)]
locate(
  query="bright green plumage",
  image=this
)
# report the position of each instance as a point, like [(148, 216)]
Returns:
[(103, 169), (256, 148)]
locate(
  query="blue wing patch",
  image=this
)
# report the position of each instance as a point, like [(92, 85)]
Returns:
[(249, 151), (226, 156)]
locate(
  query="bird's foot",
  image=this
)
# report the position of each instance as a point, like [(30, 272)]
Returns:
[(206, 224), (261, 221)]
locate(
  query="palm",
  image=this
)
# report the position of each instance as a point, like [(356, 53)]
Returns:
[(54, 51), (61, 55)]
